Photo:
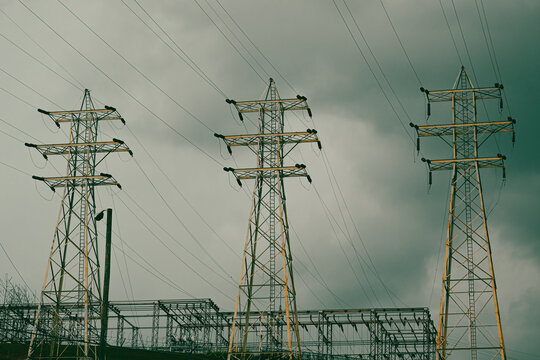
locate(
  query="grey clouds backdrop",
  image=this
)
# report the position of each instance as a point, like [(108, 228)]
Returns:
[(175, 191)]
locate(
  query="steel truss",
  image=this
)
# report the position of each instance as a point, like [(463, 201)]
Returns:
[(266, 321), (469, 320), (65, 324), (199, 327)]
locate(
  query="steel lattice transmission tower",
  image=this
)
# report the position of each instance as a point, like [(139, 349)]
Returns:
[(265, 324), (469, 320), (66, 322)]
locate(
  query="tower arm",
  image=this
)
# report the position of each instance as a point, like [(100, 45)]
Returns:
[(465, 128), (308, 136), (107, 147), (74, 181), (298, 170), (448, 164), (300, 103), (463, 94), (109, 113)]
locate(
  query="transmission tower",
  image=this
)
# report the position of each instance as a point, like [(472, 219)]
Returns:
[(469, 320), (66, 322), (265, 323)]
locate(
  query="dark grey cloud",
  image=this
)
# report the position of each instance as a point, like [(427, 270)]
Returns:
[(400, 219)]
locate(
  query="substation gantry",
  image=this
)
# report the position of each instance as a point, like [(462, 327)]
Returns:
[(265, 323), (66, 325), (469, 319)]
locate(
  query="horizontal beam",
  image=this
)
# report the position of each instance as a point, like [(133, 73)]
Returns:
[(468, 128), (107, 109), (299, 170), (109, 113), (463, 94), (300, 103), (75, 181), (95, 147), (308, 136), (448, 164)]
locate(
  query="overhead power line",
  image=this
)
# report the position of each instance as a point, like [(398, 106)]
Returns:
[(136, 69), (139, 219), (191, 63), (120, 86), (372, 72), (230, 42), (400, 43), (43, 49)]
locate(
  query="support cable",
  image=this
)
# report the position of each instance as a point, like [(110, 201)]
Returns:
[(163, 278), (18, 98), (330, 217), (257, 48), (185, 228), (348, 236), (378, 64), (15, 168), (180, 244), (486, 40), (451, 34), (120, 87), (400, 43), (237, 39), (372, 72), (169, 249), (374, 270), (135, 68), (321, 279), (40, 62), (230, 42), (464, 41), (30, 88), (180, 192), (494, 55), (43, 49), (193, 65), (22, 141), (14, 266)]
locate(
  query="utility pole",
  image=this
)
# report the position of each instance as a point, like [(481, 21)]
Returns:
[(106, 283), (265, 323), (469, 319), (71, 296)]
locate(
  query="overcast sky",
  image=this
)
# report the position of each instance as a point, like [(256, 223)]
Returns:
[(175, 191)]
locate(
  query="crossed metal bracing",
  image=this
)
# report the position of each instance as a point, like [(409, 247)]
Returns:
[(197, 326), (266, 322), (65, 324), (469, 320)]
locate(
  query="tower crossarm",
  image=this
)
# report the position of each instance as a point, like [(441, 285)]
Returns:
[(255, 106), (465, 128), (295, 138), (298, 170), (463, 94), (448, 164), (284, 138), (115, 145), (109, 113), (75, 181), (299, 103)]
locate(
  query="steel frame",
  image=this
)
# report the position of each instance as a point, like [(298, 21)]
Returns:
[(65, 324), (197, 326), (266, 321), (469, 319)]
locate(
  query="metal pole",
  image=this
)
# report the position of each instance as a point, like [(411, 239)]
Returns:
[(106, 282)]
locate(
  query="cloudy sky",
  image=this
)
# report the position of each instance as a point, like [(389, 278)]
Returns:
[(180, 221)]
